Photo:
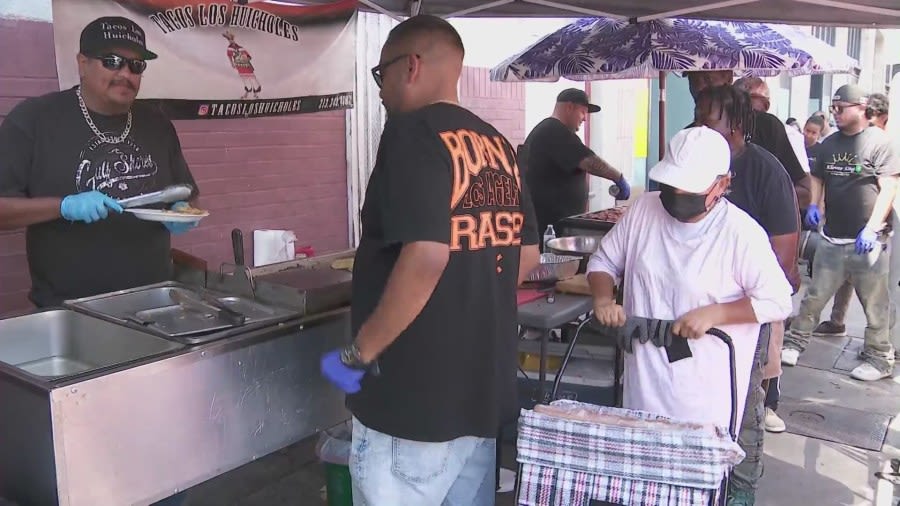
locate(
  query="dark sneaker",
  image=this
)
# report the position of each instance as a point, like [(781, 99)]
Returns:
[(830, 329)]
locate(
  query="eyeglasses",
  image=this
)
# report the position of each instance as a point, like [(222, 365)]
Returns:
[(378, 70), (838, 109), (115, 62)]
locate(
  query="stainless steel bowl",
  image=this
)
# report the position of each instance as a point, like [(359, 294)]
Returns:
[(581, 245)]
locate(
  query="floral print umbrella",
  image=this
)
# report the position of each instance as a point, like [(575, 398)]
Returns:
[(603, 48)]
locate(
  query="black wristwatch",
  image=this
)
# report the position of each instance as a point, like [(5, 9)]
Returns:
[(350, 357)]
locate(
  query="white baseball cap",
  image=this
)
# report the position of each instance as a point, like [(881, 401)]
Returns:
[(694, 158)]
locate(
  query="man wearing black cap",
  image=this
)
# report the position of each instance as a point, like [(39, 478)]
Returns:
[(66, 158), (857, 173), (556, 161)]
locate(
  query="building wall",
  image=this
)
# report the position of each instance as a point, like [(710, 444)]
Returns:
[(277, 173), (500, 104)]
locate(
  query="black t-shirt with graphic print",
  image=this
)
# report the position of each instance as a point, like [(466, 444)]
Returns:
[(762, 188), (558, 186), (444, 175), (47, 149), (849, 166)]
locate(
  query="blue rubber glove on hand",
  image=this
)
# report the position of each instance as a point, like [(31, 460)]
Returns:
[(813, 216), (866, 241), (88, 207), (624, 189), (176, 228), (343, 377)]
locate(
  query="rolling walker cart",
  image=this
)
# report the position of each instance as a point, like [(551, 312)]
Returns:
[(576, 454)]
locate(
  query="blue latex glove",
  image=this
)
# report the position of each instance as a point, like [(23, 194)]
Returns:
[(343, 377), (88, 207), (176, 228), (624, 189), (813, 216), (866, 241)]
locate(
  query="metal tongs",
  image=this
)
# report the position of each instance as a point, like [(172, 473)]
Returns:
[(203, 303), (167, 195)]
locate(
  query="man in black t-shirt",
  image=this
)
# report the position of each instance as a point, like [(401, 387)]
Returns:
[(448, 233), (768, 131), (761, 187), (857, 171), (66, 157), (877, 109), (557, 162)]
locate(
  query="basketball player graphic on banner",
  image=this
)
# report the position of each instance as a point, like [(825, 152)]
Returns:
[(240, 61)]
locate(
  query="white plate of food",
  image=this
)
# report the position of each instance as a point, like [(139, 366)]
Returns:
[(182, 215)]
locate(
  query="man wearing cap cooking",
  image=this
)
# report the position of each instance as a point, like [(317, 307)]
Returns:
[(67, 157), (691, 257), (556, 162), (856, 172)]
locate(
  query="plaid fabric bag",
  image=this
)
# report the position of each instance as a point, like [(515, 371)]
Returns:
[(568, 461)]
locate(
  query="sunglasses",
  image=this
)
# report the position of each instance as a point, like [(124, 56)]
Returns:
[(116, 62), (378, 70), (838, 109)]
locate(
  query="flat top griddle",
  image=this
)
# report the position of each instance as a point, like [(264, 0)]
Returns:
[(595, 220)]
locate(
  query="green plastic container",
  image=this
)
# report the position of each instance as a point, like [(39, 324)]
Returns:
[(337, 485)]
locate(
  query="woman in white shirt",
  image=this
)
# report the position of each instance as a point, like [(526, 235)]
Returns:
[(688, 255)]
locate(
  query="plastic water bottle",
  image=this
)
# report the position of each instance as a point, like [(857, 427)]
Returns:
[(549, 234)]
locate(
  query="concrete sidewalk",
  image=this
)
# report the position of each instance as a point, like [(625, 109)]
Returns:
[(818, 396)]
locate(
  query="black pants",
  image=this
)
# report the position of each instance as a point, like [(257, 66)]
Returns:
[(773, 393)]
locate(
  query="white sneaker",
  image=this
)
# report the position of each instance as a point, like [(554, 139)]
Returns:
[(774, 423), (790, 356), (868, 372)]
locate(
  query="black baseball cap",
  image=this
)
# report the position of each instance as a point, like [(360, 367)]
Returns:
[(576, 96), (850, 93), (104, 34)]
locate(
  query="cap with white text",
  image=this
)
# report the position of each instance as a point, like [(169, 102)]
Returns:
[(114, 32)]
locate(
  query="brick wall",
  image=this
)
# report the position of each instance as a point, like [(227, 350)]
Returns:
[(279, 173), (501, 104)]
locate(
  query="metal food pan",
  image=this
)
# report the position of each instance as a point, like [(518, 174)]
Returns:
[(151, 308)]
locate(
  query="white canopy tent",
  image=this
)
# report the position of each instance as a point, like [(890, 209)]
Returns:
[(861, 13)]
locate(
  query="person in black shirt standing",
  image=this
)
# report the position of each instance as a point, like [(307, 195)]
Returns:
[(768, 131), (877, 108), (557, 162), (857, 171), (67, 157), (448, 234), (760, 187)]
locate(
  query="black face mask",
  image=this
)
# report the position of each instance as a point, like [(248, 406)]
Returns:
[(682, 206)]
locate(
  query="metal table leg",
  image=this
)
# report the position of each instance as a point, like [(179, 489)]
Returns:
[(542, 372)]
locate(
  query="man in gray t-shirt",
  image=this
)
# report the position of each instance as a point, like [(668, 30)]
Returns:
[(856, 171)]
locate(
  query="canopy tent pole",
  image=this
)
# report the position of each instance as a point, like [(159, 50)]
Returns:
[(662, 114), (696, 8), (478, 8), (576, 9), (853, 7), (377, 8)]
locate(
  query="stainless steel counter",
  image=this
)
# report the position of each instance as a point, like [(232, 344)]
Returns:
[(135, 433)]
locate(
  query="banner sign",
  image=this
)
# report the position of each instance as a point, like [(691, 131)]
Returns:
[(231, 58)]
